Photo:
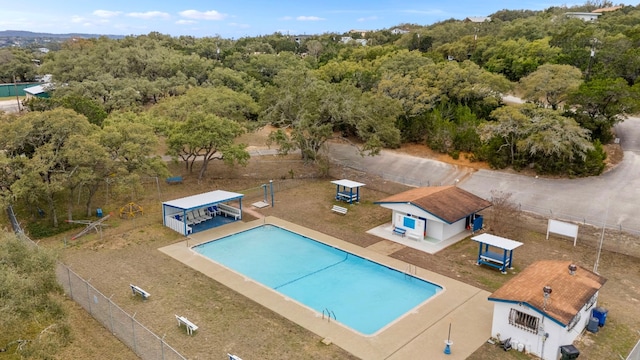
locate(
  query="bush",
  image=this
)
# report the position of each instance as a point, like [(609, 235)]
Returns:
[(34, 322)]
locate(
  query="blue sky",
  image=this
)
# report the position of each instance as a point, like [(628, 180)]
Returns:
[(239, 18)]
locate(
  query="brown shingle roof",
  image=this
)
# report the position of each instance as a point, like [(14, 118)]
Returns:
[(569, 292), (607, 9), (448, 203)]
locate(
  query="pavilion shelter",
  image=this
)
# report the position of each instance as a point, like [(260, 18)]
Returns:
[(348, 190), (182, 215)]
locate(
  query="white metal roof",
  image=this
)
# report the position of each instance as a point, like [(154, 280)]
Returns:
[(348, 183), (35, 90), (497, 241), (199, 200)]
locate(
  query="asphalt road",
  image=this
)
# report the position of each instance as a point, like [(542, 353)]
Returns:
[(612, 198), (9, 106)]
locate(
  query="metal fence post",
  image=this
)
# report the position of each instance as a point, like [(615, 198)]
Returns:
[(70, 287), (88, 298), (133, 333), (110, 315)]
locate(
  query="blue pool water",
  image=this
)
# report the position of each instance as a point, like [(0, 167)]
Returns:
[(361, 294)]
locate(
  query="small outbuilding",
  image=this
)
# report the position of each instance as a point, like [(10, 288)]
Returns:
[(545, 307), (38, 91), (437, 212), (194, 213)]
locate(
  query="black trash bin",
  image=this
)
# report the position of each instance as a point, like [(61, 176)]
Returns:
[(569, 352)]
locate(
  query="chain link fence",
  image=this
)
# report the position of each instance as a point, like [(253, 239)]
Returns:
[(130, 331)]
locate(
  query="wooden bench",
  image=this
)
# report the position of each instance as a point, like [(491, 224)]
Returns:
[(137, 290), (229, 211), (339, 209), (174, 180), (399, 231), (191, 327)]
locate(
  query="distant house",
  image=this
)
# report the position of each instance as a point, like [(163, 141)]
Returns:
[(349, 39), (584, 16), (437, 212), (477, 19), (545, 307), (399, 31), (361, 32), (607, 9)]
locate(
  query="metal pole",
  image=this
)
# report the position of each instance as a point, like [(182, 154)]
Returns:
[(110, 316), (133, 332), (271, 184), (89, 298), (15, 88), (70, 287), (604, 226)]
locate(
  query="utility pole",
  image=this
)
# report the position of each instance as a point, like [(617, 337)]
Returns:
[(594, 41), (15, 89)]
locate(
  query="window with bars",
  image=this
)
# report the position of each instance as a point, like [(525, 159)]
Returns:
[(573, 322), (524, 321)]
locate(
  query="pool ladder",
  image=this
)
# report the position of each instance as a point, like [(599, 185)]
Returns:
[(412, 270), (329, 314)]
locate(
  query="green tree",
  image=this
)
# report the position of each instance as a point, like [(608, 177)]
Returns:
[(551, 84), (311, 110), (43, 139), (16, 65), (207, 137), (601, 103), (526, 135)]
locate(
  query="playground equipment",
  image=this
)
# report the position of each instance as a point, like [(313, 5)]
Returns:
[(91, 225), (131, 210)]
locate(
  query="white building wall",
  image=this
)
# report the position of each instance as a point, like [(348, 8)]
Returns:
[(435, 227), (454, 229), (536, 343)]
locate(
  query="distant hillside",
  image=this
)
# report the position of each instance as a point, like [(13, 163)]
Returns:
[(30, 34)]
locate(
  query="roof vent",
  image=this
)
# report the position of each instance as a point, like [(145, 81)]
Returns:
[(546, 292), (572, 269)]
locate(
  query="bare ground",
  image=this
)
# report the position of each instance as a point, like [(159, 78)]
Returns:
[(232, 323)]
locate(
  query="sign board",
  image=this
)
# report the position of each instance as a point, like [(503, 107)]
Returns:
[(563, 228)]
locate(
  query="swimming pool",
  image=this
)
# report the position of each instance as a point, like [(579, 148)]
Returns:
[(360, 294)]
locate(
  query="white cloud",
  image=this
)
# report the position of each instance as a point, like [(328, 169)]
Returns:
[(77, 19), (309, 18), (241, 26), (106, 13), (369, 18), (149, 15), (186, 22), (203, 15)]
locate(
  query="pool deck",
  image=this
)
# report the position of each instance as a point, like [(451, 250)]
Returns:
[(420, 334), (428, 245)]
